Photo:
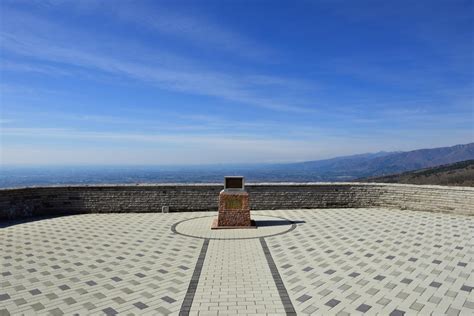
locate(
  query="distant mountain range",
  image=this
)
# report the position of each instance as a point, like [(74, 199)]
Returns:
[(455, 174), (379, 164), (347, 168)]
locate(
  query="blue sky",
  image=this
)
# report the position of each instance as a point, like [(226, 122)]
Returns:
[(196, 82)]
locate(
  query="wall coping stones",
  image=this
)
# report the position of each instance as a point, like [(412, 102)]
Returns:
[(251, 184)]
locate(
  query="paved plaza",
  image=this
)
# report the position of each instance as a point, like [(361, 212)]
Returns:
[(313, 261)]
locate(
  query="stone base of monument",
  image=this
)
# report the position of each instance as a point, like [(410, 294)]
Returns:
[(234, 211), (215, 225)]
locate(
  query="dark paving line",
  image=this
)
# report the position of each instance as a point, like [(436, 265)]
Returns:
[(285, 298), (188, 299), (174, 230)]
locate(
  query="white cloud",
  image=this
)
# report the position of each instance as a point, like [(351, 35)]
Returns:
[(70, 146), (6, 121), (191, 27), (139, 148), (195, 29), (43, 40)]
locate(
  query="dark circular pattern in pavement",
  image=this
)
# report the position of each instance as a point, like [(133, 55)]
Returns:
[(265, 223)]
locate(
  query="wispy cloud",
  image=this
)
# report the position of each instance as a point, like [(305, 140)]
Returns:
[(225, 146), (6, 121), (122, 76), (126, 148), (66, 133), (25, 90), (193, 28), (34, 41), (6, 65)]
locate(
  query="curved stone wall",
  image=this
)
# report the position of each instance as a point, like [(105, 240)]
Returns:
[(58, 200)]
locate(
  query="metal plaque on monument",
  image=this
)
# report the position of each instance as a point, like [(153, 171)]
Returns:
[(234, 209)]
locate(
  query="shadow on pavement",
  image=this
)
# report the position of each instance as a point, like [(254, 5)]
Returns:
[(12, 222), (276, 222)]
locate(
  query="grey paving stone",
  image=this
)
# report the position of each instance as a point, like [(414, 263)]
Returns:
[(310, 309), (363, 308), (416, 306), (119, 300), (136, 257), (56, 312), (168, 299), (383, 301), (344, 287), (406, 281), (140, 305), (303, 298), (372, 291), (452, 311), (35, 292), (89, 306), (325, 292), (417, 289), (4, 297), (435, 299), (298, 288), (332, 303), (109, 311), (435, 284), (390, 285), (20, 301), (51, 296), (163, 311), (4, 312), (37, 307)]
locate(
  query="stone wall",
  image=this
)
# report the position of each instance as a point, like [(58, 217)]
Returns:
[(39, 201)]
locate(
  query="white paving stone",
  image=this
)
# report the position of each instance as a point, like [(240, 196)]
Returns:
[(236, 277), (336, 261), (339, 259)]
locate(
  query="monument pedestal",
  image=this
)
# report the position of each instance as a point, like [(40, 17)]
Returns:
[(234, 210)]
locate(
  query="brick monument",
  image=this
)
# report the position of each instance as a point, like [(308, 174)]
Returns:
[(234, 210)]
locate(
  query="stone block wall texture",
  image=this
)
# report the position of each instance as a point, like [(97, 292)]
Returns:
[(234, 214), (59, 200)]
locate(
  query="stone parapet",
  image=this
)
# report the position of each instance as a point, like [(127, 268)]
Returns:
[(58, 200)]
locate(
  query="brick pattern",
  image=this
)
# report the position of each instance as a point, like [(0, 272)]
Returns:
[(16, 203), (336, 261), (234, 209), (95, 264), (387, 262), (236, 279)]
